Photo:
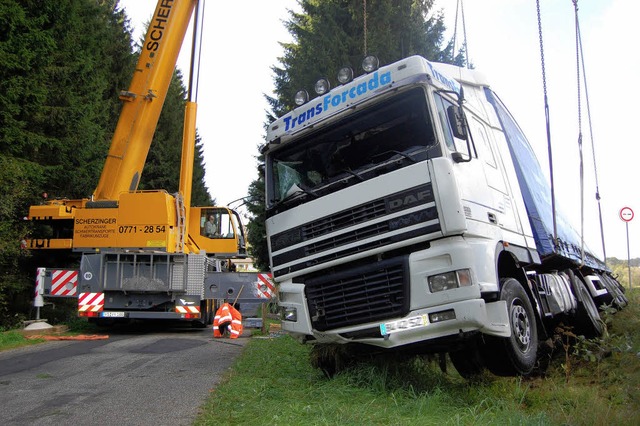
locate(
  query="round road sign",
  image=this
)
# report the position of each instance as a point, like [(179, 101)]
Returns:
[(626, 214)]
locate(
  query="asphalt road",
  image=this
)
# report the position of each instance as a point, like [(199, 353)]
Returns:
[(132, 378)]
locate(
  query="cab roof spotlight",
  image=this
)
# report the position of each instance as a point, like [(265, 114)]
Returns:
[(301, 98), (322, 86), (370, 64), (345, 75)]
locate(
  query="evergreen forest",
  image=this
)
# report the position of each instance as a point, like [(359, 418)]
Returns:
[(62, 66)]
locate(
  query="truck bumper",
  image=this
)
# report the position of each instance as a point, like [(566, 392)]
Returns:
[(417, 327), (148, 315), (430, 315)]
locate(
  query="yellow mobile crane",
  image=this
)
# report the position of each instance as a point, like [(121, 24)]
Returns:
[(145, 254), (118, 216)]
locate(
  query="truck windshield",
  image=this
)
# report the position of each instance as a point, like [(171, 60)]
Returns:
[(373, 141)]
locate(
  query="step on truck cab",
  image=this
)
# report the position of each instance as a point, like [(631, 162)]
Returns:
[(407, 212)]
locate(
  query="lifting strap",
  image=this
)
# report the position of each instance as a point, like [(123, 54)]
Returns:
[(578, 51), (580, 71)]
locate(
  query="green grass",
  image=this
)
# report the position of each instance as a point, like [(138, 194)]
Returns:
[(14, 339), (272, 383)]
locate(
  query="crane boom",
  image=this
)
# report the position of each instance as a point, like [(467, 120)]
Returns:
[(144, 100)]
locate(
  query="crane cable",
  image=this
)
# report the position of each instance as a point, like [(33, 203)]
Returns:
[(196, 52), (580, 67), (364, 18), (548, 123), (465, 47)]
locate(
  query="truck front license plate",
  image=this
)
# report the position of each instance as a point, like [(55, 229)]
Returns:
[(404, 324), (112, 314)]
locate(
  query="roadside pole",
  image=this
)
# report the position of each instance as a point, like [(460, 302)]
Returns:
[(38, 301), (626, 214)]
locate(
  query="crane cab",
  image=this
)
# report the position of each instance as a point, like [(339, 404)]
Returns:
[(218, 231)]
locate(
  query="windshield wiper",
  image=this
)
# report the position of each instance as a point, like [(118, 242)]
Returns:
[(354, 174), (292, 193), (407, 156)]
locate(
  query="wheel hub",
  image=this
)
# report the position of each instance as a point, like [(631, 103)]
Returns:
[(520, 325)]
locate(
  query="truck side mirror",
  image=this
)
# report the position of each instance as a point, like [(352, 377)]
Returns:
[(456, 121)]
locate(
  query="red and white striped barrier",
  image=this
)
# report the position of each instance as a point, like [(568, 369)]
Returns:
[(64, 283), (264, 287)]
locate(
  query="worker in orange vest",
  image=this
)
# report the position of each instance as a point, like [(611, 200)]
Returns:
[(228, 319)]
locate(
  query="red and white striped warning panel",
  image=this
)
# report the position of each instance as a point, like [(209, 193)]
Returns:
[(91, 302), (264, 287), (188, 309), (64, 282)]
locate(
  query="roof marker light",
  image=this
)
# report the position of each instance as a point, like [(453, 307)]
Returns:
[(322, 86), (301, 98), (370, 64), (345, 75)]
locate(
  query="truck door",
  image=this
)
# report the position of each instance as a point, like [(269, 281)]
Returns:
[(493, 167), (476, 196)]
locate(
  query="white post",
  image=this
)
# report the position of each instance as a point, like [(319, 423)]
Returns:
[(38, 302), (626, 214), (628, 255)]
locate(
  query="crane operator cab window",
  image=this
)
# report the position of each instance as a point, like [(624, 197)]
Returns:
[(216, 223)]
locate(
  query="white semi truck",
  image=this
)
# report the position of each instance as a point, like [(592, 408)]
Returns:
[(406, 212)]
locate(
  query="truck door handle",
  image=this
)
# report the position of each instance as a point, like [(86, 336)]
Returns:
[(492, 218)]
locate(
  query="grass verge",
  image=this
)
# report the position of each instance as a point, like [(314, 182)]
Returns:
[(15, 339), (273, 384)]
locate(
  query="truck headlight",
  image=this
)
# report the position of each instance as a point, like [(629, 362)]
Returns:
[(449, 280), (289, 314)]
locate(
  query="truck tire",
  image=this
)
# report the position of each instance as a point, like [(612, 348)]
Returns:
[(618, 298), (206, 315), (328, 358), (467, 360), (514, 355), (587, 317)]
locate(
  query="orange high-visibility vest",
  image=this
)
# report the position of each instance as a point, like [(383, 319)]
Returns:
[(229, 316)]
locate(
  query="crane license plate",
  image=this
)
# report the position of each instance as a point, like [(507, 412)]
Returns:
[(112, 314)]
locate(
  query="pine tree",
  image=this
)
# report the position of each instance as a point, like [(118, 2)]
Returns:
[(61, 67), (200, 195), (329, 34)]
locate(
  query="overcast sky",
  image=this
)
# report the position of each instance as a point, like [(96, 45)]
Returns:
[(241, 43)]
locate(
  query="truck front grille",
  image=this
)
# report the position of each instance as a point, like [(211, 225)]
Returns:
[(359, 295), (333, 236)]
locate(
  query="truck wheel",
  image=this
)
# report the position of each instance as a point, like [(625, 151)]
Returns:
[(618, 299), (329, 358), (588, 322), (206, 312), (467, 361), (514, 355)]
